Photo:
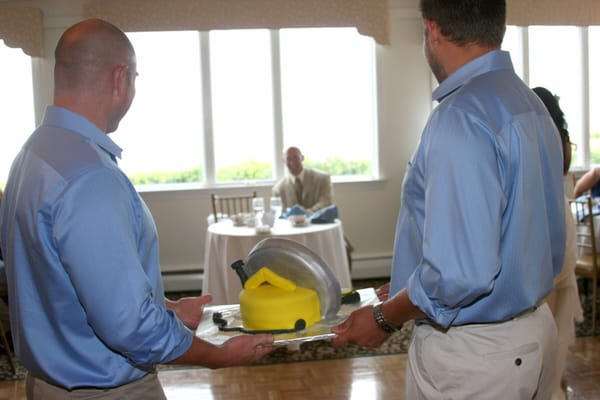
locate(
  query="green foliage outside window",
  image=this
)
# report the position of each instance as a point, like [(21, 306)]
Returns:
[(149, 178), (339, 167), (594, 148), (249, 171)]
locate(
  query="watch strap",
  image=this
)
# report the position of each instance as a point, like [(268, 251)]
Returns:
[(380, 319)]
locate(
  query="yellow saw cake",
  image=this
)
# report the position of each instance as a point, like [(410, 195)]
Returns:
[(270, 302)]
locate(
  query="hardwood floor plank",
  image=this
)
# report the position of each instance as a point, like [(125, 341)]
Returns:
[(368, 377), (379, 377)]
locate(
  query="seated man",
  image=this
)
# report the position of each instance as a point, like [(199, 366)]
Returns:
[(307, 187)]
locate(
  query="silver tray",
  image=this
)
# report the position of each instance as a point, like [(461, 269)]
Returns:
[(302, 266)]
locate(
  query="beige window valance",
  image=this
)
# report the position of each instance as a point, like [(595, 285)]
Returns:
[(370, 17), (553, 12), (22, 27)]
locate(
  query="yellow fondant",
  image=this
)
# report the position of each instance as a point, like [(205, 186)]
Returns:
[(265, 275), (271, 302)]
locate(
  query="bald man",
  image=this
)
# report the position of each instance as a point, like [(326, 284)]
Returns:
[(88, 313), (306, 187)]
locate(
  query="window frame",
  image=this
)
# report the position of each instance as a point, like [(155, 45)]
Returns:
[(582, 137), (278, 140)]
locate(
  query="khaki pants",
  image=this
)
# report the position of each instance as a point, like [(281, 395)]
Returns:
[(509, 360), (147, 388)]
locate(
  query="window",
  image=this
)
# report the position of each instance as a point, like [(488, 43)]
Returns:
[(328, 98), (218, 107), (594, 94), (18, 124), (242, 104), (161, 135), (554, 55), (566, 61)]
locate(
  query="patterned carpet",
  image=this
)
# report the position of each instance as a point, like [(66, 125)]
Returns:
[(323, 350)]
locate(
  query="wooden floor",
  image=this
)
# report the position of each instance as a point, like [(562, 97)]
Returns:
[(380, 377)]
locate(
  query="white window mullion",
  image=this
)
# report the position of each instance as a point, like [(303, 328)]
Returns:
[(584, 150), (525, 53), (209, 147), (278, 171)]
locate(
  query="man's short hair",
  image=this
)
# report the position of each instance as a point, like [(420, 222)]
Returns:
[(468, 21)]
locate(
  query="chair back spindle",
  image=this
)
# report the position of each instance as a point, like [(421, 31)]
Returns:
[(587, 264), (226, 206)]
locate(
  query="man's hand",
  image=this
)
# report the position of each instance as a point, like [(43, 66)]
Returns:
[(360, 328), (239, 350), (246, 349), (383, 292), (189, 309)]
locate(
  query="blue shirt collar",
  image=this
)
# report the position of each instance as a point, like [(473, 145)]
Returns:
[(61, 117), (492, 61)]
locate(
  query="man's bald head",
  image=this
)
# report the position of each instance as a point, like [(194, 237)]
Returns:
[(293, 159), (94, 74), (86, 50)]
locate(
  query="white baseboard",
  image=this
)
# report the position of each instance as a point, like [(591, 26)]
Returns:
[(184, 281), (371, 266)]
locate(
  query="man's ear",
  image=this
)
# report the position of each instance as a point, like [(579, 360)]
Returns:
[(120, 79), (433, 33)]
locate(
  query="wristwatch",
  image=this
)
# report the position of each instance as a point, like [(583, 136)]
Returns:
[(381, 321)]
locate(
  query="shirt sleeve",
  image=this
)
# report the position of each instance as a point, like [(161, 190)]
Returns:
[(463, 211), (102, 235)]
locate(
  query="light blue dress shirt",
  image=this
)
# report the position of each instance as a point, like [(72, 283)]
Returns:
[(481, 231), (81, 249)]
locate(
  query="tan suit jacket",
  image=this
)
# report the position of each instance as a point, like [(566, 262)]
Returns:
[(317, 192)]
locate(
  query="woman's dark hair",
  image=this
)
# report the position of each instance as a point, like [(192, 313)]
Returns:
[(551, 103), (468, 21)]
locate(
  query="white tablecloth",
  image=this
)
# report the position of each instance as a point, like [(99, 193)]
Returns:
[(226, 244)]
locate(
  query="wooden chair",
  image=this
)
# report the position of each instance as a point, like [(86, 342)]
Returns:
[(230, 205), (587, 256), (3, 338), (349, 250)]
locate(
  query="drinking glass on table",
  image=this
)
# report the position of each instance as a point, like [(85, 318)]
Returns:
[(258, 205), (276, 206)]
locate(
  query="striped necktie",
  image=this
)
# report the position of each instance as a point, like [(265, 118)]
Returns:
[(298, 187)]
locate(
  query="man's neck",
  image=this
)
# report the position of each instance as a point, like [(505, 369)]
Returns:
[(460, 56), (300, 175), (93, 112)]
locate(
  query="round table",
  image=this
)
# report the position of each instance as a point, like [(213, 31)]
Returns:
[(226, 243)]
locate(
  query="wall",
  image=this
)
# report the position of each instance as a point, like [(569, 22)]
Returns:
[(368, 209)]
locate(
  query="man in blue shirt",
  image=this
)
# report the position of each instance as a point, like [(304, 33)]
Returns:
[(480, 234), (88, 312)]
